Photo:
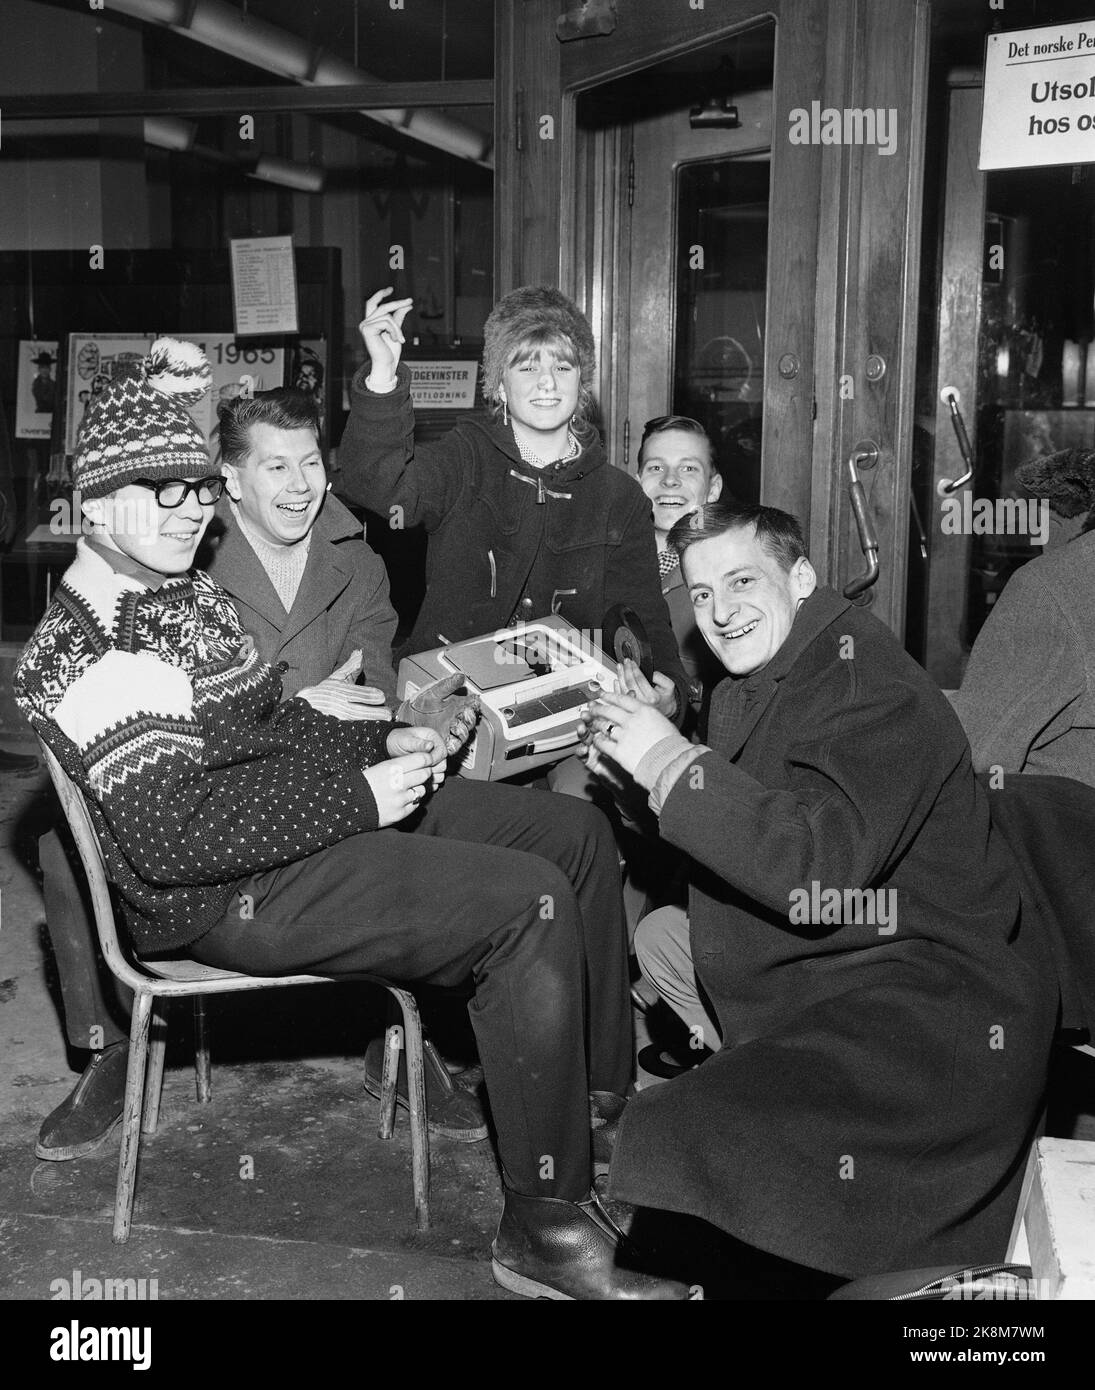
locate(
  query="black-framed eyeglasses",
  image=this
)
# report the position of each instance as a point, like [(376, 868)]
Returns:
[(173, 492)]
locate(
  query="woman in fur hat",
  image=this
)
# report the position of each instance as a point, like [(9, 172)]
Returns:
[(525, 515)]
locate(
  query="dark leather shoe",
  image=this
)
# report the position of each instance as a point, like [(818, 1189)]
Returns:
[(17, 764), (451, 1111), (91, 1113), (548, 1248), (605, 1110), (621, 1214), (661, 1061)]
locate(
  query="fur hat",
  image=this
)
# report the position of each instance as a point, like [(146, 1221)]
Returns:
[(534, 314), (1066, 480), (139, 425)]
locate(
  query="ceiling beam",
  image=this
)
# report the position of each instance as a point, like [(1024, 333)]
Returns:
[(218, 101)]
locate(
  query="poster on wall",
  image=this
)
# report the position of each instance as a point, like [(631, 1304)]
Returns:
[(443, 385), (36, 389), (94, 359), (308, 373), (238, 368), (264, 285)]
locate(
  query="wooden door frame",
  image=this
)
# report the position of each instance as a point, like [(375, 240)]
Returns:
[(609, 256), (803, 32), (856, 268), (958, 329), (872, 297)]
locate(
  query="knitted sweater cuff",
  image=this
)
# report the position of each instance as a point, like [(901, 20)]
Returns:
[(659, 769)]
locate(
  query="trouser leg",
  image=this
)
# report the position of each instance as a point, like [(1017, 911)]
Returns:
[(579, 839), (420, 907), (94, 1002), (650, 866), (664, 951)]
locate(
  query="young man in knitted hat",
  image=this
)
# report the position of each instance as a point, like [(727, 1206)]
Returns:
[(314, 597), (258, 835), (526, 516)]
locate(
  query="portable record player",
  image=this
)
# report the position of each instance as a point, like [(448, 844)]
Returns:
[(533, 682)]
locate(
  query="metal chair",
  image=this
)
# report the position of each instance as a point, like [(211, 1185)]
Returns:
[(171, 979)]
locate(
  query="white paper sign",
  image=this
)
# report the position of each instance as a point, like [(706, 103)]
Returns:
[(93, 360), (264, 285), (36, 391), (443, 385), (1039, 97), (238, 369)]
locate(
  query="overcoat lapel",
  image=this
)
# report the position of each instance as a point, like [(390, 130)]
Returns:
[(238, 569), (326, 574), (738, 704)]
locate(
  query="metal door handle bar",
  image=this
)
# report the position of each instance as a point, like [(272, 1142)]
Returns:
[(949, 396), (868, 542)]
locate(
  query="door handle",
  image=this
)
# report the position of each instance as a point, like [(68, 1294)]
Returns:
[(867, 455), (950, 398)]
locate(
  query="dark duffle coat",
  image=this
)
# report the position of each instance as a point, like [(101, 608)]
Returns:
[(342, 603), (872, 1103), (574, 539)]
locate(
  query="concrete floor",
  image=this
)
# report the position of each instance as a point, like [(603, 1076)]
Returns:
[(327, 1212)]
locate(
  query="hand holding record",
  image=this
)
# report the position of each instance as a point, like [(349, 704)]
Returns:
[(625, 637), (662, 694)]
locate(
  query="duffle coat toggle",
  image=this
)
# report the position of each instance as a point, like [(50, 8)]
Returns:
[(541, 490)]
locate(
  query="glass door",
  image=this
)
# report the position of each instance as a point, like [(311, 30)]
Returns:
[(1017, 262), (718, 362), (675, 264)]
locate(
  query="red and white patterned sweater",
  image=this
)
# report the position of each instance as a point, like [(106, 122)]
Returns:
[(159, 708)]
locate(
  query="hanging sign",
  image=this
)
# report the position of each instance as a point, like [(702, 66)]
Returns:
[(443, 385), (1039, 97), (264, 285)]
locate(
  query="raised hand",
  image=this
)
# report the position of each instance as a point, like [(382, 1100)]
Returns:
[(382, 333)]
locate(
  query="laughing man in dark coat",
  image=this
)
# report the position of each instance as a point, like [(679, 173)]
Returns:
[(883, 1050)]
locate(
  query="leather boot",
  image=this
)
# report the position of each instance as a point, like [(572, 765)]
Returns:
[(550, 1248), (605, 1110), (91, 1112), (451, 1110)]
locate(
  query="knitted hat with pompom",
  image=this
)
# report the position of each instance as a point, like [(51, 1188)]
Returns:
[(140, 427)]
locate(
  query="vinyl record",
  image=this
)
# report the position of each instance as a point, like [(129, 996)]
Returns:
[(624, 636)]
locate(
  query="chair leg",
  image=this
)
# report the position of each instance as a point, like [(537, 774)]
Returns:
[(416, 1097), (153, 1086), (203, 1074), (389, 1079), (131, 1116)]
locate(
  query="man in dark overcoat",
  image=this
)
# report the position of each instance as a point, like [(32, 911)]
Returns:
[(885, 1019)]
